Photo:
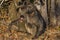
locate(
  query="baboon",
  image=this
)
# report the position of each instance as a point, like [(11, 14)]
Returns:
[(34, 18)]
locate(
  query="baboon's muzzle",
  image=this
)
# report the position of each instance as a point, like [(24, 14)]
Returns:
[(21, 18)]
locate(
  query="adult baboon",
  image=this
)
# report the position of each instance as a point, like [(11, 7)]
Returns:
[(34, 18)]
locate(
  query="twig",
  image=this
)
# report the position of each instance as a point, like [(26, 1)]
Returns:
[(1, 3)]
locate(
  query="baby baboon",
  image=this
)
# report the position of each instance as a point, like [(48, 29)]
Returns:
[(18, 25)]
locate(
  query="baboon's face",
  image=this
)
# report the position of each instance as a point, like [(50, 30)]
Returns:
[(37, 4), (25, 10), (21, 9), (21, 6)]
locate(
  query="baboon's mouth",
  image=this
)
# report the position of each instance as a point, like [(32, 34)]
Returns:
[(21, 18)]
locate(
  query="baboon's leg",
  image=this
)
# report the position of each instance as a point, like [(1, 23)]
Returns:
[(40, 29)]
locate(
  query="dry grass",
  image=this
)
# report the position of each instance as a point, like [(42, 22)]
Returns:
[(50, 34)]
